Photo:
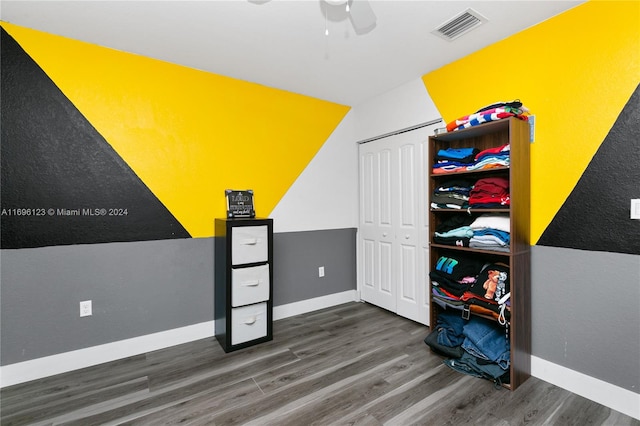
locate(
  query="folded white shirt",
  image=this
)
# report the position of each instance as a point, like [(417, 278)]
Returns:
[(495, 221)]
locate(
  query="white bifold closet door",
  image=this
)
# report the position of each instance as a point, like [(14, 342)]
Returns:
[(393, 230)]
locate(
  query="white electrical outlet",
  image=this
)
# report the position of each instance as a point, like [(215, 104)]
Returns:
[(85, 308), (321, 271), (635, 208)]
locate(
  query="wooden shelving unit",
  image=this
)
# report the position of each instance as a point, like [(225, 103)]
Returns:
[(485, 136)]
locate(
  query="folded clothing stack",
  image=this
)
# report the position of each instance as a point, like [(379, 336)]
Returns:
[(454, 159), (493, 112), (455, 231), (452, 194), (491, 158), (461, 281), (490, 192), (455, 272), (491, 232)]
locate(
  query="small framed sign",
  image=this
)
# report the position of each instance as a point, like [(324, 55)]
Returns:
[(239, 203)]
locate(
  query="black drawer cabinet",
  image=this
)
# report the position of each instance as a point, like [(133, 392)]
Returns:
[(243, 288)]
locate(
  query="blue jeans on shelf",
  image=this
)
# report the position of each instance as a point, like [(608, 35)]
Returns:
[(468, 364), (450, 326), (486, 340)]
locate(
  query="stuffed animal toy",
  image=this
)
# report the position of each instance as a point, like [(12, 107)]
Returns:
[(491, 284), (495, 284)]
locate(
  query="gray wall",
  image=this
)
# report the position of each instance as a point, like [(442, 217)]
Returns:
[(297, 256), (137, 288), (586, 312), (140, 288), (583, 318)]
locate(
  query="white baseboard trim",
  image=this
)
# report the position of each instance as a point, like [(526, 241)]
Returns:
[(21, 372), (38, 368), (604, 393), (315, 304)]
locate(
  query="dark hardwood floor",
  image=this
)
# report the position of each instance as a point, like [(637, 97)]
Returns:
[(352, 364)]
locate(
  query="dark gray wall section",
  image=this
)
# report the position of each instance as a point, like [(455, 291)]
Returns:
[(139, 288), (585, 312), (297, 256), (595, 216), (54, 160)]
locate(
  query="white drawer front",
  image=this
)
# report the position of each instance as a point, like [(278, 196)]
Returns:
[(249, 244), (248, 323), (249, 285)]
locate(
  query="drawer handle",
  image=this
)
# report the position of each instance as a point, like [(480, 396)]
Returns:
[(253, 283), (251, 320), (250, 242)]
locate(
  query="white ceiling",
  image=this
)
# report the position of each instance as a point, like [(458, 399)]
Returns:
[(282, 44)]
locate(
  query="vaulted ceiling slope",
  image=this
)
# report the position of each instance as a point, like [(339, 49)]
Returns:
[(283, 44)]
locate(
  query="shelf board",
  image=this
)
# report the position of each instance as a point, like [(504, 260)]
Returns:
[(470, 172), (475, 131), (469, 210), (471, 249)]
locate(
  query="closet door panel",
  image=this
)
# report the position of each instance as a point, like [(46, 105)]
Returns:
[(407, 230), (376, 226), (393, 227)]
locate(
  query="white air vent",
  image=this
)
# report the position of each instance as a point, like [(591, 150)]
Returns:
[(459, 25)]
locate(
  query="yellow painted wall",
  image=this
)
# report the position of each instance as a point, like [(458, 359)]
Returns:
[(575, 72), (188, 134)]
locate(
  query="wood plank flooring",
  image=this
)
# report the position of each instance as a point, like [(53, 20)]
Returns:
[(352, 364)]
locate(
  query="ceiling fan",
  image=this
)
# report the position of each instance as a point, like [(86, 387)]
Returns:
[(359, 13)]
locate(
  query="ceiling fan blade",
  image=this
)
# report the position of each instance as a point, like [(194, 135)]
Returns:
[(362, 17)]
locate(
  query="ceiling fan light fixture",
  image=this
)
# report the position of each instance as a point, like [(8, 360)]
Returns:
[(359, 12), (326, 28), (362, 16), (338, 3)]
